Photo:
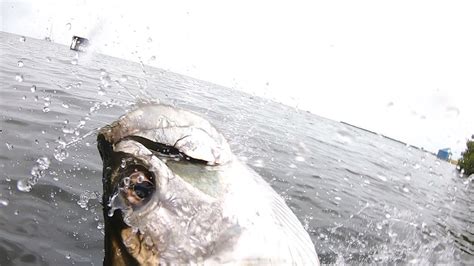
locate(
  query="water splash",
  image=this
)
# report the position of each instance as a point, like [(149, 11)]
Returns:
[(60, 153), (37, 172), (86, 196)]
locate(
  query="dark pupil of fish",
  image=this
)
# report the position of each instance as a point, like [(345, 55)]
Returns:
[(143, 190)]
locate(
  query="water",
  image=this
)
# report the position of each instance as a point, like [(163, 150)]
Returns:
[(363, 198)]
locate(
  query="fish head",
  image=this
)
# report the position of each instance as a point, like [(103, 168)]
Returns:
[(162, 186)]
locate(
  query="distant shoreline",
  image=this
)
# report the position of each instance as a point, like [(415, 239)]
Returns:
[(387, 137)]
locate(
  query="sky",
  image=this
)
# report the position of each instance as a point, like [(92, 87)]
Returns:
[(404, 69)]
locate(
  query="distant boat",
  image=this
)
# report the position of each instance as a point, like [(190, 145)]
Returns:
[(79, 44)]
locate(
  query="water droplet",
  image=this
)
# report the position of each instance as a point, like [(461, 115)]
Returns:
[(299, 159), (16, 212), (68, 256), (387, 216), (101, 90), (67, 130), (381, 177), (19, 77), (100, 225), (126, 182), (23, 97), (408, 176), (123, 163), (65, 105), (68, 26), (36, 141), (46, 109), (405, 189), (74, 61), (4, 202), (337, 198), (20, 63), (33, 88), (22, 39), (149, 40), (48, 58), (123, 78), (148, 241), (9, 146), (140, 178), (23, 185), (152, 58)]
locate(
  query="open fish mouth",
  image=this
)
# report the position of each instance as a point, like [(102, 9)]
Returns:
[(175, 193)]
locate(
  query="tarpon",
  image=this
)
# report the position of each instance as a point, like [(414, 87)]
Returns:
[(174, 193)]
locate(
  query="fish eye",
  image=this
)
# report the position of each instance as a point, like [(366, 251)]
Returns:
[(137, 185), (143, 190)]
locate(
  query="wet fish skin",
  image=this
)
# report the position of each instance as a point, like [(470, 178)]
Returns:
[(208, 207)]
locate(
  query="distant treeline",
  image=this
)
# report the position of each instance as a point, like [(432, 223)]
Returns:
[(466, 163)]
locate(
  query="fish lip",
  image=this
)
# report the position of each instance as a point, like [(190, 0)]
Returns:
[(113, 225)]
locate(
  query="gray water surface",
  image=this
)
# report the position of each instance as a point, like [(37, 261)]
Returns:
[(363, 198)]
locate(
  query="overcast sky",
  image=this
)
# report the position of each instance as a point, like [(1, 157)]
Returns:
[(401, 68)]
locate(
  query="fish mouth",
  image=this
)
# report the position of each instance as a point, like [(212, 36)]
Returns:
[(133, 150), (116, 252)]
